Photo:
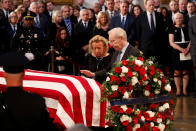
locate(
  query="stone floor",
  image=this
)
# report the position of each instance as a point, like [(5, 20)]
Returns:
[(185, 114)]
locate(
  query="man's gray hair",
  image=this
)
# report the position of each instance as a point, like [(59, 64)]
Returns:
[(118, 32), (64, 6), (13, 12), (83, 10), (79, 127), (33, 4)]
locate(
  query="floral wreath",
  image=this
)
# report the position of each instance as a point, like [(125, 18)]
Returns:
[(139, 96)]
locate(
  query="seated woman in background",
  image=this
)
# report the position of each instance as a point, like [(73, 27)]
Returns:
[(182, 64), (97, 59), (65, 52), (102, 25), (136, 10)]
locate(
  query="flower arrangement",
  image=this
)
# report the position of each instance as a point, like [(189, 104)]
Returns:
[(139, 95)]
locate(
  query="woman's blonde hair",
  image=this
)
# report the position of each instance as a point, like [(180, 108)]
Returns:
[(99, 38), (98, 22), (55, 15)]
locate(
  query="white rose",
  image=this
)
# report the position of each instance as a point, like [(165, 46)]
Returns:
[(134, 73), (151, 114), (155, 79), (166, 106), (136, 126), (161, 127), (114, 87), (126, 95), (159, 81), (146, 93), (142, 118), (130, 119), (161, 109), (108, 79), (124, 107), (168, 87), (168, 122), (124, 69), (138, 62), (150, 62), (134, 80), (159, 120), (157, 91), (146, 82), (152, 124), (137, 111), (124, 118), (146, 68), (122, 74)]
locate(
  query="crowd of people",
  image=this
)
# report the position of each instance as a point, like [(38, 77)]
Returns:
[(74, 39)]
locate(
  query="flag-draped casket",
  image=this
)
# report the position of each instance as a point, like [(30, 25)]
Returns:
[(70, 99)]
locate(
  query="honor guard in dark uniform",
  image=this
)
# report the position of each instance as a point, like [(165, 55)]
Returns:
[(27, 40), (21, 110)]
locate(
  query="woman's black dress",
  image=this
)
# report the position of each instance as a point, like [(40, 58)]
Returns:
[(179, 34), (97, 64)]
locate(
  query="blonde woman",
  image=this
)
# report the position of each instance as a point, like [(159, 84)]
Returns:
[(179, 41), (98, 58), (102, 25), (53, 27)]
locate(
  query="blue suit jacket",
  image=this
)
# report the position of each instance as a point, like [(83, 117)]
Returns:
[(129, 26)]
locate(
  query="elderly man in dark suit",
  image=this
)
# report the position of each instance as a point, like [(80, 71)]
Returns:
[(192, 35), (149, 31), (125, 21), (21, 110), (110, 9)]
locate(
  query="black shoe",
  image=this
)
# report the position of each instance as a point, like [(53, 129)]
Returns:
[(186, 95), (178, 95)]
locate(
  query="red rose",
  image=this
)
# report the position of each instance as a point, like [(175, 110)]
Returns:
[(159, 71), (145, 114), (147, 87), (152, 70), (155, 129), (130, 96), (154, 106), (121, 111), (144, 78), (139, 116), (129, 111), (115, 108), (118, 69), (125, 123), (130, 74), (123, 79), (154, 119), (130, 87), (135, 120), (140, 58), (115, 94), (129, 128), (145, 127), (132, 62), (142, 71), (171, 101), (124, 62), (163, 80), (151, 94), (113, 78), (139, 129), (159, 115), (122, 90), (136, 67)]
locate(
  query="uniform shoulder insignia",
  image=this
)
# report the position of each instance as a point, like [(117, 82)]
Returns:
[(21, 36)]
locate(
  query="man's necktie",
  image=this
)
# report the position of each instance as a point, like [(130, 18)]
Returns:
[(68, 27), (152, 24), (123, 22), (7, 14), (85, 25), (118, 56), (14, 28), (37, 21), (111, 14)]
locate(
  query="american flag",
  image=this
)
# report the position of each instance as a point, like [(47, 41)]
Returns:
[(70, 99)]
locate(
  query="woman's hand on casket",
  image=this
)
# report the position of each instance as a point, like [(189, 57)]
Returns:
[(88, 73)]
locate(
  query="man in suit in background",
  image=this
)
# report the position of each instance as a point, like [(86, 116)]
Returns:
[(192, 35), (191, 8), (21, 110), (110, 9), (41, 20), (81, 4), (173, 5), (125, 21), (183, 10), (102, 3), (83, 33), (50, 10), (149, 31), (12, 26), (4, 12)]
